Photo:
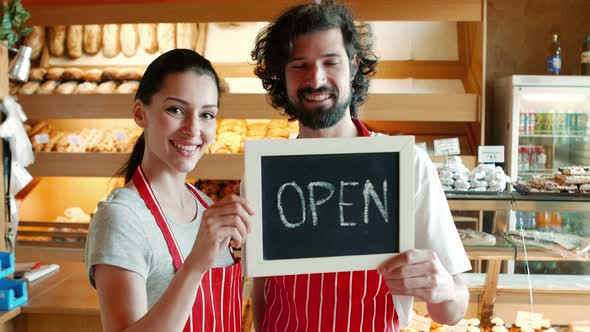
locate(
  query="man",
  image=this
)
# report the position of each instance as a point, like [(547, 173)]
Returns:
[(315, 64)]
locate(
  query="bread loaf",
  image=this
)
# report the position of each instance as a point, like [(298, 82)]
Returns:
[(129, 39), (85, 88), (124, 74), (110, 40), (66, 88), (36, 40), (147, 37), (186, 35), (201, 38), (92, 38), (92, 75), (37, 74), (129, 87), (74, 74), (54, 73), (47, 88), (110, 73), (56, 38), (13, 88), (74, 41), (29, 88), (106, 87), (166, 37)]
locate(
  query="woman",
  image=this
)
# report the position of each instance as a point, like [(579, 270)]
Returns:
[(150, 272)]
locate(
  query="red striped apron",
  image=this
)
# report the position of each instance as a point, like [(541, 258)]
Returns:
[(218, 302), (343, 301)]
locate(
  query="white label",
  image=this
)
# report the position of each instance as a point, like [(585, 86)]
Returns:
[(41, 138), (585, 57), (449, 146), (74, 139), (120, 135), (422, 145), (420, 323), (491, 154), (529, 319), (460, 327)]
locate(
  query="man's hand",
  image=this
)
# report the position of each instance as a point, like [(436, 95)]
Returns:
[(418, 273)]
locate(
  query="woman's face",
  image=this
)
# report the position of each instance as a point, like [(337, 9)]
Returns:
[(180, 121)]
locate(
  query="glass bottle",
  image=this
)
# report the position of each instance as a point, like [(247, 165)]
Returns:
[(554, 57)]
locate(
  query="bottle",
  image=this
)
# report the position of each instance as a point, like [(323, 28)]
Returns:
[(585, 58), (541, 158), (554, 58)]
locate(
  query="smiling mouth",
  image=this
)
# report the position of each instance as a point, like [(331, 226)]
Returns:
[(316, 97), (188, 148)]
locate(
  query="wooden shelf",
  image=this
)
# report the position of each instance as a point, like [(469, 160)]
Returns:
[(383, 107), (246, 10), (211, 166)]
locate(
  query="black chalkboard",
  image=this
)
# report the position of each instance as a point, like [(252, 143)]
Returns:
[(322, 224)]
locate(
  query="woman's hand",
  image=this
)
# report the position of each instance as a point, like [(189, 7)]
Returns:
[(228, 219)]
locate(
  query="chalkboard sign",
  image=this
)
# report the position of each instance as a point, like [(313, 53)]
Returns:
[(327, 205)]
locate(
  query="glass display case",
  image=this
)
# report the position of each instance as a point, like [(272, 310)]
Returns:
[(545, 124)]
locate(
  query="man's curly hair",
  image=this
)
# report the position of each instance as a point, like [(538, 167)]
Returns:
[(275, 43)]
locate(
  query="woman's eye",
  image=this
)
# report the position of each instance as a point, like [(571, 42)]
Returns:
[(208, 115), (175, 111)]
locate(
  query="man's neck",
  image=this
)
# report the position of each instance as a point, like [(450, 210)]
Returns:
[(343, 128)]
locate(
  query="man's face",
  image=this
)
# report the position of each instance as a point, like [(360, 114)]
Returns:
[(318, 79)]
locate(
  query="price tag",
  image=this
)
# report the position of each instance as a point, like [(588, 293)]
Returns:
[(449, 146), (120, 135), (422, 145), (490, 154), (532, 320), (41, 138), (74, 139), (460, 327), (420, 323)]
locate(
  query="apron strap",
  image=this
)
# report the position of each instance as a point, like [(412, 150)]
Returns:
[(362, 129)]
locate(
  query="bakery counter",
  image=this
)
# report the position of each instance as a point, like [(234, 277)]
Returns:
[(62, 301)]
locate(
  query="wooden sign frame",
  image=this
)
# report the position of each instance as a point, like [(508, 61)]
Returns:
[(257, 266)]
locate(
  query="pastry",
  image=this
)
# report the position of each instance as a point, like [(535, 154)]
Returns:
[(124, 74), (110, 40), (147, 37), (48, 87), (572, 179), (53, 141), (92, 38), (74, 41), (110, 73), (575, 170), (166, 37), (13, 88), (73, 74), (54, 73), (85, 88), (37, 74), (38, 127), (92, 75), (129, 39), (278, 133), (29, 88), (106, 87), (36, 40), (128, 87), (56, 37), (186, 35), (66, 88)]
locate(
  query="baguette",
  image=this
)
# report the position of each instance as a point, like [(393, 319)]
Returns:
[(36, 40), (37, 74), (47, 88), (56, 37), (110, 40), (166, 37), (66, 88), (147, 37), (92, 38), (29, 88), (74, 41), (92, 75), (54, 73), (129, 87), (85, 88), (129, 74), (74, 74), (110, 73), (186, 35), (129, 39), (106, 87)]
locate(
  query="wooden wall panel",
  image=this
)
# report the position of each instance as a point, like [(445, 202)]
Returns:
[(518, 36)]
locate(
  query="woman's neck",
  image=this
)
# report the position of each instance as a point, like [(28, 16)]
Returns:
[(167, 186)]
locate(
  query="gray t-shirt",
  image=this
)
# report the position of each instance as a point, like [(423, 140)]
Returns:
[(124, 233)]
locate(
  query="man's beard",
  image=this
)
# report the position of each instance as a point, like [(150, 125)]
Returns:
[(319, 118)]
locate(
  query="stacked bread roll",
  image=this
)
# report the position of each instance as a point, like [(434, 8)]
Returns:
[(232, 133), (454, 176)]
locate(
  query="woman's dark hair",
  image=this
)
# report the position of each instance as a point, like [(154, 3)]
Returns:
[(275, 43), (174, 61)]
